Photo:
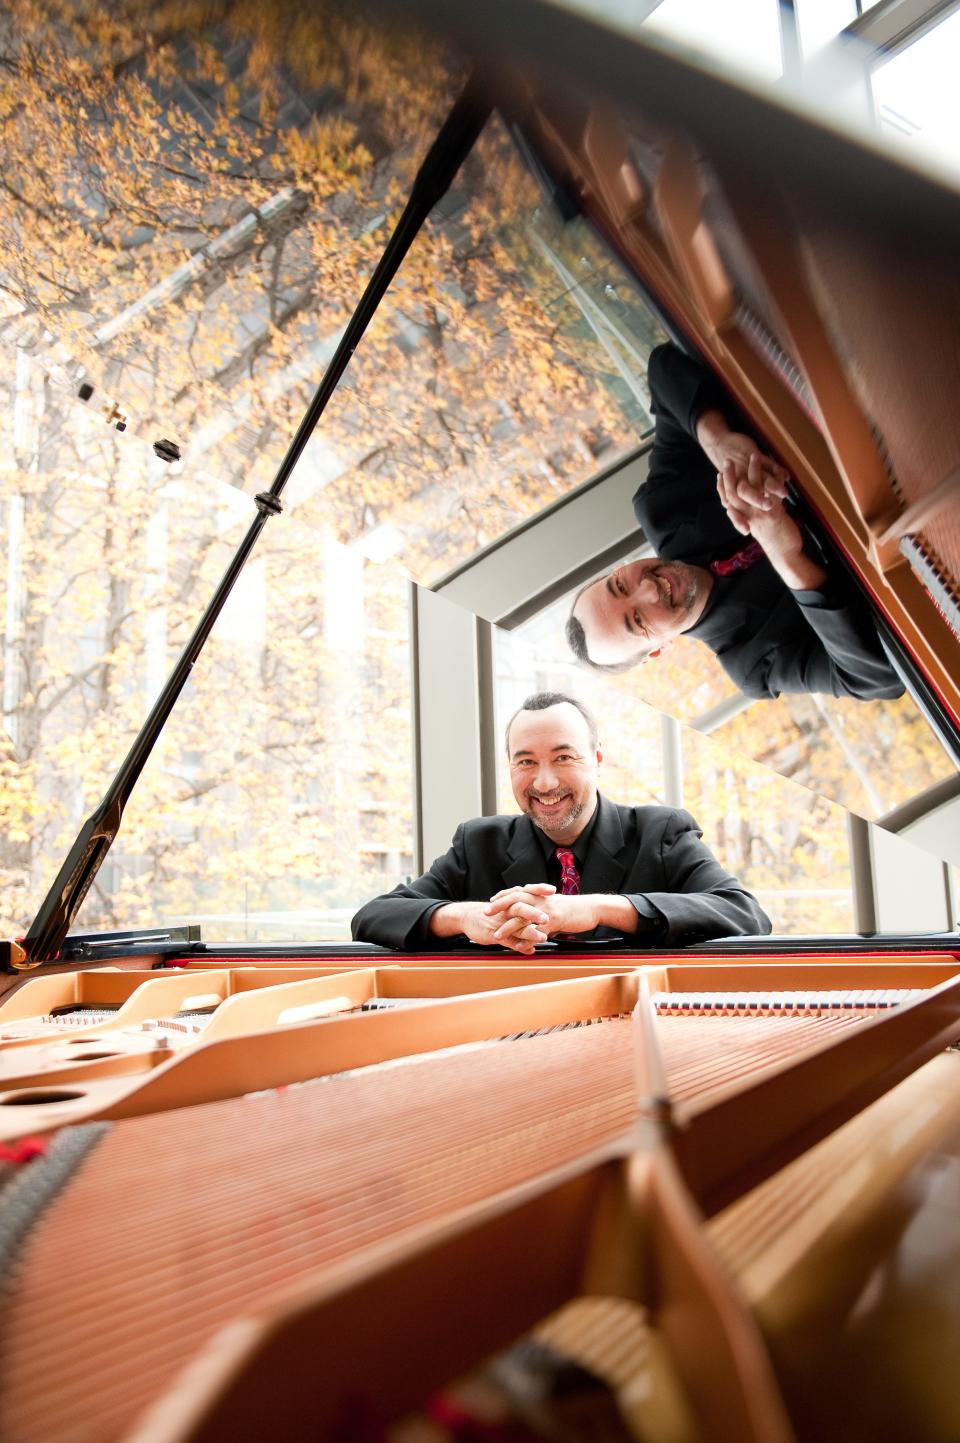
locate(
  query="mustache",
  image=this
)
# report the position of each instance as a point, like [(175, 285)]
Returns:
[(670, 592)]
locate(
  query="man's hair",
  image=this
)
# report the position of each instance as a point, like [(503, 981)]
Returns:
[(543, 699), (577, 641)]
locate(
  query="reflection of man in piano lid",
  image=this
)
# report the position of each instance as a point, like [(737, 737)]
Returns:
[(733, 566)]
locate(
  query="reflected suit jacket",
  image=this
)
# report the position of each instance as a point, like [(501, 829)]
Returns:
[(651, 855), (768, 638)]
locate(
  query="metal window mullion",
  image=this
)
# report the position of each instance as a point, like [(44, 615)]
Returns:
[(487, 717), (671, 741), (416, 770), (862, 875)]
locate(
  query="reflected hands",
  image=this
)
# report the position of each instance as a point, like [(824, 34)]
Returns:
[(754, 498), (726, 448), (754, 501)]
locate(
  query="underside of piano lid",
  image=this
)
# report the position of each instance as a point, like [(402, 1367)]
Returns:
[(814, 273)]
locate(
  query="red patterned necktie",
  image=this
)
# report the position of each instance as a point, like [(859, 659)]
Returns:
[(741, 560), (569, 876)]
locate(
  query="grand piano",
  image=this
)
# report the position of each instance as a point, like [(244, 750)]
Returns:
[(255, 1188)]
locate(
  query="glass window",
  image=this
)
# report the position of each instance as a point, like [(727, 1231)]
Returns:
[(744, 34), (785, 843), (868, 756), (916, 95), (280, 791), (822, 20)]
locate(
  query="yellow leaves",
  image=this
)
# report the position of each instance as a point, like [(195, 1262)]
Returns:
[(325, 153), (210, 65), (19, 803)]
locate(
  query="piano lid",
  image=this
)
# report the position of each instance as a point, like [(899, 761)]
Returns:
[(812, 271)]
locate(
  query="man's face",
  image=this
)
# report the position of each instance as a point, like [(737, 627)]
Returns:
[(640, 607), (553, 770)]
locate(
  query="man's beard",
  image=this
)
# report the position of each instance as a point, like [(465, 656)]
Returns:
[(689, 590), (686, 588), (560, 822)]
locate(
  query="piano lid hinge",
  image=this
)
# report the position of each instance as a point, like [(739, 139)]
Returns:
[(268, 504), (13, 957)]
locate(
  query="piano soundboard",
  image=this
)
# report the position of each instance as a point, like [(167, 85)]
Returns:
[(587, 1110)]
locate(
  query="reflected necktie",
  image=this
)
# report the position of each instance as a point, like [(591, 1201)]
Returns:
[(569, 876), (741, 560)]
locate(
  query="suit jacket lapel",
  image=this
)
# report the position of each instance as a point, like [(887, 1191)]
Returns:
[(527, 862), (604, 869)]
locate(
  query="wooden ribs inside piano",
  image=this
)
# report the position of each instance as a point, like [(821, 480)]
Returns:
[(364, 1180)]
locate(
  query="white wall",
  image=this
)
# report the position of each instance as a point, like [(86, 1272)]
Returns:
[(910, 886)]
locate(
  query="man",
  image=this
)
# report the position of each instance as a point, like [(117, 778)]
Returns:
[(572, 864), (733, 568)]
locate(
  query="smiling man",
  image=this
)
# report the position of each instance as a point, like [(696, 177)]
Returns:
[(732, 567), (635, 611), (573, 864)]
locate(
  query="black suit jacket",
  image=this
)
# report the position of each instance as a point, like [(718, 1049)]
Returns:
[(652, 855), (768, 638)]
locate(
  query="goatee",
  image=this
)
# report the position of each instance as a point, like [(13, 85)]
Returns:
[(557, 824)]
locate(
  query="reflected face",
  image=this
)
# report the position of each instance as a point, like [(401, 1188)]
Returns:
[(553, 770), (639, 608)]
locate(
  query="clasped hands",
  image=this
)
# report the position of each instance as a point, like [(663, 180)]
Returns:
[(522, 917)]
